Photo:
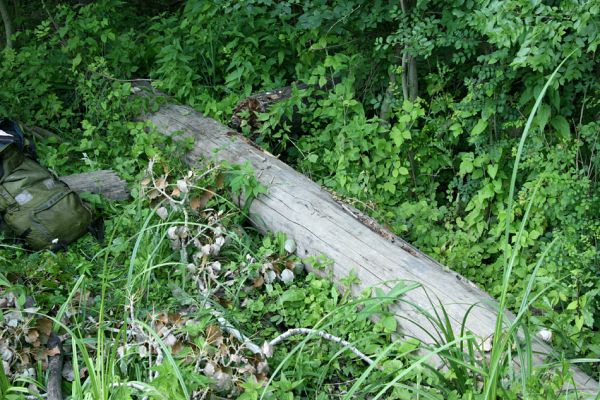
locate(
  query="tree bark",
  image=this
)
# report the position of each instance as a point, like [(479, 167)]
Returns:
[(8, 28), (105, 182), (355, 244), (245, 112), (410, 83)]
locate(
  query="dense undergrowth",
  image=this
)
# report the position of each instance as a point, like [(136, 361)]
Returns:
[(420, 129)]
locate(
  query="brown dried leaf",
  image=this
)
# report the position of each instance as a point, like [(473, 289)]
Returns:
[(161, 183), (195, 204), (32, 337), (206, 196), (53, 352), (153, 194), (176, 192), (220, 181), (177, 347), (146, 181), (258, 282), (164, 318), (175, 318), (44, 325), (213, 334)]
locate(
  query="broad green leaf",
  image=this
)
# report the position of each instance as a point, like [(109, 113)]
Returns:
[(543, 116), (492, 170), (77, 60), (389, 323), (479, 127), (562, 126), (466, 166), (397, 136)]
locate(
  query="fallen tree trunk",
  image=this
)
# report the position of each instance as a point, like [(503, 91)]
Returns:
[(245, 112), (320, 225), (104, 182)]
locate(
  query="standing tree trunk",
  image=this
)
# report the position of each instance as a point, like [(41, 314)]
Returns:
[(410, 84), (8, 28)]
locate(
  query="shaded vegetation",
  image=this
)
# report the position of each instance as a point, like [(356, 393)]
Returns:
[(420, 129)]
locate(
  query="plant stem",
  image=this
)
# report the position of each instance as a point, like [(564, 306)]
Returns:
[(323, 335)]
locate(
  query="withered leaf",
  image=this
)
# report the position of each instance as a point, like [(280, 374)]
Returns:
[(53, 352), (220, 181), (177, 347), (258, 282), (161, 183), (201, 201), (32, 336), (175, 318), (153, 194), (213, 334)]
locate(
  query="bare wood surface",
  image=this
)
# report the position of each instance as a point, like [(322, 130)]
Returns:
[(320, 225), (55, 368), (246, 110), (104, 182)]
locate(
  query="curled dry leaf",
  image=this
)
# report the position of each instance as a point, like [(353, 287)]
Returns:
[(161, 183), (153, 194), (32, 336), (170, 340), (287, 276), (545, 335), (258, 282), (486, 345), (172, 233), (201, 201), (209, 369), (162, 213), (214, 335), (270, 276), (290, 246), (182, 186), (143, 351)]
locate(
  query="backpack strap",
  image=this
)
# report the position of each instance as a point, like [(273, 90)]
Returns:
[(6, 200)]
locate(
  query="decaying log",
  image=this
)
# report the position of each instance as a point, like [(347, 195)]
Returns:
[(55, 368), (320, 225), (105, 182), (246, 110)]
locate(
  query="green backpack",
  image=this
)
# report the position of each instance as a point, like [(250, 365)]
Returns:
[(34, 204)]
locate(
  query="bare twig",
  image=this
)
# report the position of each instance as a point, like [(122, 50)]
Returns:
[(323, 335)]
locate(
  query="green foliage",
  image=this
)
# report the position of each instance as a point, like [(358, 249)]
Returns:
[(435, 169)]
